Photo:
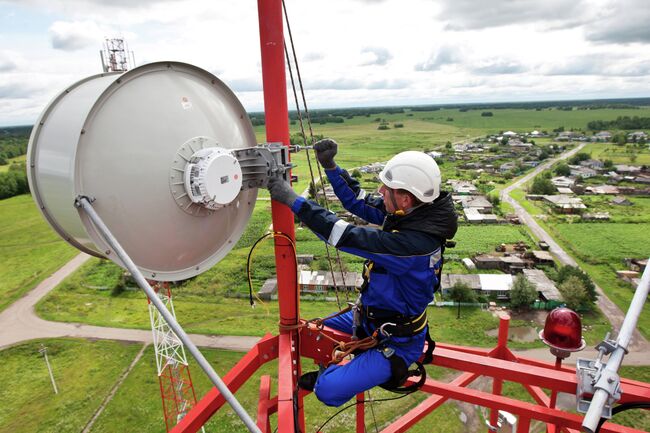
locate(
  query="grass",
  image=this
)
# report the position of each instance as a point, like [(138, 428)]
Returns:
[(16, 160), (137, 403), (618, 154), (85, 372), (520, 195), (600, 253), (29, 249)]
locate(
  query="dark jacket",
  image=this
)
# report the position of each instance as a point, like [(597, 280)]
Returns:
[(403, 257)]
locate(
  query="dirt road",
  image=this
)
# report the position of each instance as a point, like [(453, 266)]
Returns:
[(609, 309), (20, 323)]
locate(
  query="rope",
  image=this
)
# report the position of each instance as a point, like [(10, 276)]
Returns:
[(341, 349), (304, 138)]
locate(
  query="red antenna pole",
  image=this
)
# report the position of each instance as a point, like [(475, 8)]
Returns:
[(277, 130)]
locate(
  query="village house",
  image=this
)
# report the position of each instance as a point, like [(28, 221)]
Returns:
[(563, 190), (637, 136), (621, 201), (375, 167), (563, 182), (569, 136), (519, 146), (642, 178), (546, 288), (462, 187), (593, 164), (595, 216), (507, 166), (321, 281), (602, 190), (602, 136), (475, 216), (613, 176), (624, 169), (498, 286), (509, 264), (565, 204), (540, 257), (583, 172)]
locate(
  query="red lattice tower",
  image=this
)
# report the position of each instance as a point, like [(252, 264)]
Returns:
[(176, 387)]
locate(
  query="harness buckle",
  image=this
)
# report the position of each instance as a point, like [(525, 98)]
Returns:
[(383, 331)]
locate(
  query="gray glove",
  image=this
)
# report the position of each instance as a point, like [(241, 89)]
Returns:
[(281, 191), (325, 152)]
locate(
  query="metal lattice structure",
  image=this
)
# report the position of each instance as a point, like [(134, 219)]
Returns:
[(115, 56), (176, 388)]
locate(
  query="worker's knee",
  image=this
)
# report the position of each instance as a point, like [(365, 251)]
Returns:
[(340, 383), (329, 392)]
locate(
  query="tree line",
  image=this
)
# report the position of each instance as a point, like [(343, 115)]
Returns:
[(621, 122), (13, 181)]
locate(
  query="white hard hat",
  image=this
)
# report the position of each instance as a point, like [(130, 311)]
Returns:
[(416, 172)]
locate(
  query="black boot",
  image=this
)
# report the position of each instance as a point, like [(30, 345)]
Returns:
[(308, 380)]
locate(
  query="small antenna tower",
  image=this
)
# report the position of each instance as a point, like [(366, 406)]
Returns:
[(116, 56), (176, 387)]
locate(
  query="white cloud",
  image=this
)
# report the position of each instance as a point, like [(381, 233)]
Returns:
[(445, 55), (622, 21), (7, 61), (363, 52), (468, 14), (75, 35), (375, 56)]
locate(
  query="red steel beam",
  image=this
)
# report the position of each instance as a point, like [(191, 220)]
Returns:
[(416, 414), (277, 131), (545, 377), (523, 409), (361, 413), (263, 421), (264, 351)]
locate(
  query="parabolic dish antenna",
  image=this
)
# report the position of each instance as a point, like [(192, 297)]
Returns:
[(151, 148)]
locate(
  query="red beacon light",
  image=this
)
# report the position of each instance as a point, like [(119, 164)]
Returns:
[(563, 332)]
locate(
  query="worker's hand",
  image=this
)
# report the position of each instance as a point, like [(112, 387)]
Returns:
[(325, 152), (281, 191)]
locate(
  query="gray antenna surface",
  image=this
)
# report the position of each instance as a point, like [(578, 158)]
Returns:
[(124, 141)]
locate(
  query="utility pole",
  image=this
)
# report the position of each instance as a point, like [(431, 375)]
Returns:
[(43, 350)]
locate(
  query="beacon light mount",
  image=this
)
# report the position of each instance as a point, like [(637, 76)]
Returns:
[(593, 375)]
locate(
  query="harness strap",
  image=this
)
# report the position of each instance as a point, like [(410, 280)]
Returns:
[(431, 345), (395, 324)]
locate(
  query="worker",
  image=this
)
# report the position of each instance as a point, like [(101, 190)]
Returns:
[(402, 268)]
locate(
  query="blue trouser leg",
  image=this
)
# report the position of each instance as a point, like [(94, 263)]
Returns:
[(339, 383)]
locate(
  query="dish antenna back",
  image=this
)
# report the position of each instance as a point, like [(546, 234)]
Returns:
[(152, 148)]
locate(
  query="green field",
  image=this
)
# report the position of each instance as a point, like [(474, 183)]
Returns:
[(86, 371), (600, 250), (16, 160), (29, 249), (618, 154)]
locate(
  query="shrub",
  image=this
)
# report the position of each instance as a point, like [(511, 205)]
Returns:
[(523, 293)]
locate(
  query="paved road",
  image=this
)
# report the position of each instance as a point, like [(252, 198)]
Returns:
[(19, 322), (609, 309)]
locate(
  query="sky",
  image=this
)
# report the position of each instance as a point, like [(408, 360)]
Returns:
[(350, 52)]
